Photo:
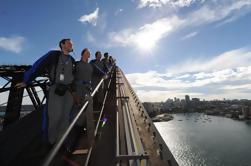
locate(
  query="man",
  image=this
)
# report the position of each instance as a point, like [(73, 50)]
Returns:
[(99, 71), (111, 61), (83, 77), (107, 65), (59, 65), (106, 61)]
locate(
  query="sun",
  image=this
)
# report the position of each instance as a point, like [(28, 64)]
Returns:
[(145, 41)]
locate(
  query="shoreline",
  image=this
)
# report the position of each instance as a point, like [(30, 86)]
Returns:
[(165, 117)]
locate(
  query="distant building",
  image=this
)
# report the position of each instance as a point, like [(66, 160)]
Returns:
[(237, 108), (249, 115), (195, 99), (187, 98), (187, 103), (245, 112)]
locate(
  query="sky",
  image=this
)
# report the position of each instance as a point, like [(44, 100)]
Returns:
[(166, 48)]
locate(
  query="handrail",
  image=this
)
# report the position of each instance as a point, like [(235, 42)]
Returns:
[(56, 147), (135, 150), (117, 130), (163, 149), (98, 122)]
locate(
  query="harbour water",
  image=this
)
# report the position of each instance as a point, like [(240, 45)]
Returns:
[(200, 140)]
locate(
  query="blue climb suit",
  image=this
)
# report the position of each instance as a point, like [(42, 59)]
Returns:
[(60, 69)]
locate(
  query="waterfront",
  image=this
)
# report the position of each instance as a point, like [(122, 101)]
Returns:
[(200, 140)]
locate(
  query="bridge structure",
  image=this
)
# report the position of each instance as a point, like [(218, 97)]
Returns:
[(124, 133)]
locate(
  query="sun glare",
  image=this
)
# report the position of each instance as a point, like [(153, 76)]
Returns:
[(145, 41)]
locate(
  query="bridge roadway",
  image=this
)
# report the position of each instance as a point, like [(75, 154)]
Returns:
[(128, 138)]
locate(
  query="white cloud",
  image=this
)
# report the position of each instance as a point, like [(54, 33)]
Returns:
[(150, 3), (217, 12), (172, 3), (216, 77), (238, 87), (190, 35), (147, 35), (155, 80), (218, 80), (234, 58), (14, 44), (184, 76), (90, 37), (150, 86), (90, 18), (118, 11), (120, 38), (209, 13)]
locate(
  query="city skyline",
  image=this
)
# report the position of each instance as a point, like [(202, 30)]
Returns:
[(198, 99), (166, 49)]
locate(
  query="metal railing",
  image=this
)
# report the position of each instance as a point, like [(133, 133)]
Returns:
[(99, 119), (135, 151), (163, 151), (57, 146)]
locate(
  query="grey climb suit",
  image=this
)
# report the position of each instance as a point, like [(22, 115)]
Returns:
[(59, 107), (83, 78)]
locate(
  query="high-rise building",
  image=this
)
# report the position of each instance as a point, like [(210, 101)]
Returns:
[(187, 103), (187, 99)]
